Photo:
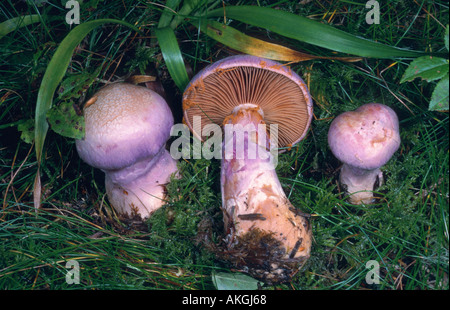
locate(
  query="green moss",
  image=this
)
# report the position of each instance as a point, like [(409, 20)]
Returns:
[(175, 227)]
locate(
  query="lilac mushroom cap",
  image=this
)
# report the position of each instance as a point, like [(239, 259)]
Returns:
[(265, 233), (364, 140), (126, 129)]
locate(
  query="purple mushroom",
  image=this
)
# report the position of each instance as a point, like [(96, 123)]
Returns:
[(265, 233), (126, 129), (364, 140)]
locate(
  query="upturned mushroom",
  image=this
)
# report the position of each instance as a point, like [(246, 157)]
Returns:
[(364, 140), (126, 129), (265, 234)]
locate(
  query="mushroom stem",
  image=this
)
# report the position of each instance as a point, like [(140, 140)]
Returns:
[(140, 188), (262, 228), (360, 183), (266, 236)]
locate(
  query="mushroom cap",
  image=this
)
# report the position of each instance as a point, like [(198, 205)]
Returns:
[(124, 123), (365, 138), (279, 92)]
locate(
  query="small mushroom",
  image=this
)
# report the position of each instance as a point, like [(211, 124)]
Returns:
[(126, 129), (364, 140), (265, 233)]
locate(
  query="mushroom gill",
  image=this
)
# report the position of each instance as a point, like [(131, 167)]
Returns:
[(281, 99)]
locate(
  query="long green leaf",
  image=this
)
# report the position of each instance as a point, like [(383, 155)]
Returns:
[(172, 56), (17, 22), (53, 75), (253, 46), (168, 13), (311, 31)]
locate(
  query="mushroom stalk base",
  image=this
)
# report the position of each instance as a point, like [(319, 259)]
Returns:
[(265, 234), (140, 195), (360, 183)]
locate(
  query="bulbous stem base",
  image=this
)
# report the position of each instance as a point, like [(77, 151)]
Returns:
[(144, 194), (360, 183)]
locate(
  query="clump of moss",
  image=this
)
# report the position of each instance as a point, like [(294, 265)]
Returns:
[(192, 200)]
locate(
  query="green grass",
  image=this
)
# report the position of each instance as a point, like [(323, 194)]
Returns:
[(406, 231)]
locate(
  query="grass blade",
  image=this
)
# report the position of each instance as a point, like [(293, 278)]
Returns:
[(17, 22), (172, 56), (168, 13), (186, 9), (252, 46), (312, 32), (53, 75)]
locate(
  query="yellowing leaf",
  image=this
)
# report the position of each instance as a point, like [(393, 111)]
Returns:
[(310, 31), (249, 45)]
